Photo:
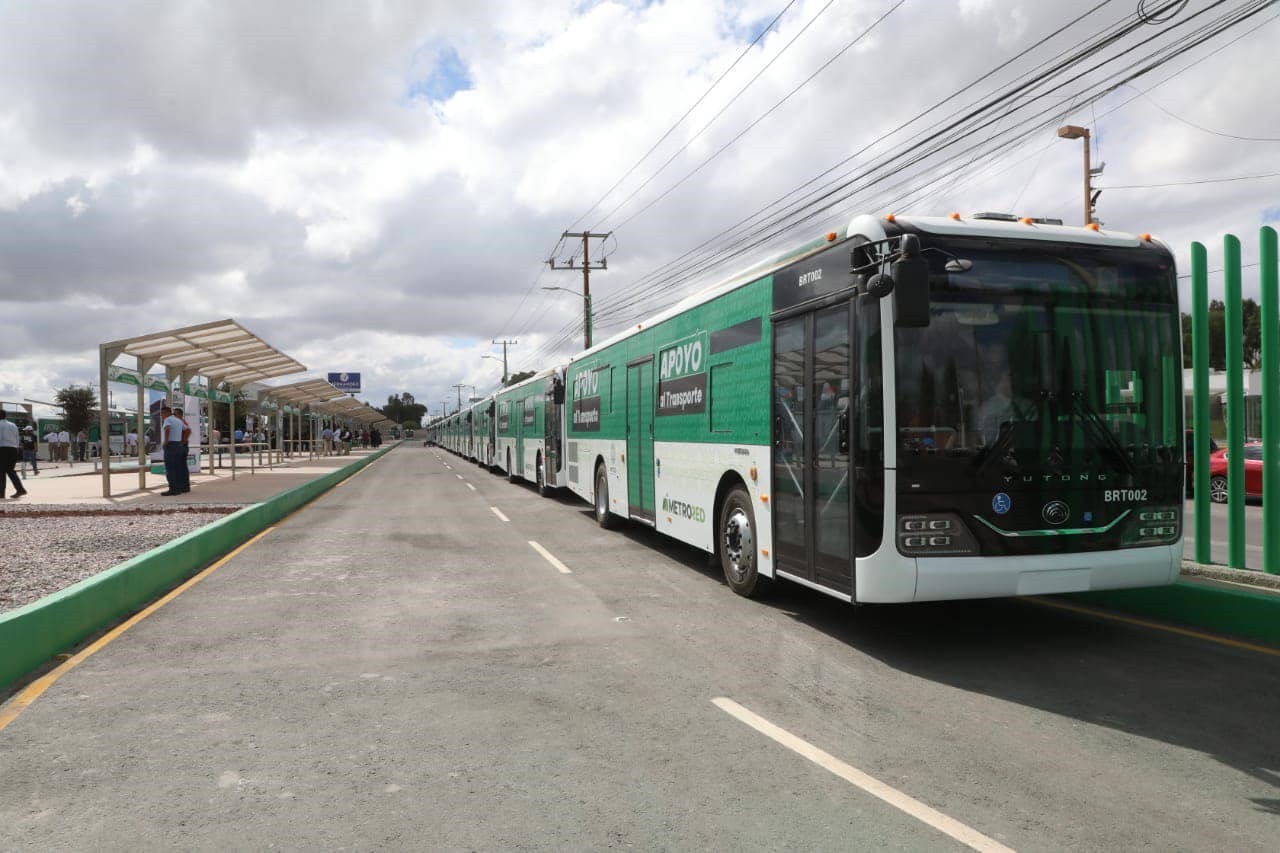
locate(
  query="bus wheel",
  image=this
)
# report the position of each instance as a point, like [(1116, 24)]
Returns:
[(737, 544), (604, 517), (542, 480)]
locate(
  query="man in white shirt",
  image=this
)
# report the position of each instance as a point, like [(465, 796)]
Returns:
[(173, 438), (131, 443), (9, 456), (64, 444)]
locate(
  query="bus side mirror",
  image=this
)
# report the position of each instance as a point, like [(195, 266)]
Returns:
[(911, 292)]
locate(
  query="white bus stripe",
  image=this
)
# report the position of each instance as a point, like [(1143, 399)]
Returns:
[(550, 558), (874, 787), (498, 513)]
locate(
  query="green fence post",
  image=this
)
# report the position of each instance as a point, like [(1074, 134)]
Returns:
[(1234, 322), (1270, 285), (1200, 398)]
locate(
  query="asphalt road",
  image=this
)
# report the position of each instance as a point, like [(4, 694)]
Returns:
[(1218, 526), (396, 667)]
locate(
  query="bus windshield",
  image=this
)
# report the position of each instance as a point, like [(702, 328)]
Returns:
[(1049, 356)]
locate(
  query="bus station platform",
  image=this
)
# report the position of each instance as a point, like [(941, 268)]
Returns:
[(82, 485)]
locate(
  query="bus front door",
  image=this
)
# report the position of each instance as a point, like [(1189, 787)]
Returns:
[(811, 471)]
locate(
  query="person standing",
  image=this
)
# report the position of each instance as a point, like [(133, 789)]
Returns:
[(326, 435), (173, 435), (29, 444), (82, 446), (64, 445), (9, 456)]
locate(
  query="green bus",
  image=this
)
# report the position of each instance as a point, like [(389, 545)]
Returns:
[(908, 409)]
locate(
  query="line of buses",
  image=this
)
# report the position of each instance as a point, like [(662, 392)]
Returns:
[(907, 409)]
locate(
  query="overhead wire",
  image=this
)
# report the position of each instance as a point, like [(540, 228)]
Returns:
[(751, 126), (737, 227), (1135, 69), (769, 28), (952, 127)]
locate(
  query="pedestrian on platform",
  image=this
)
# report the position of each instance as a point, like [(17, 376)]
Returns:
[(9, 456), (173, 438), (64, 445), (29, 444), (326, 435), (82, 446)]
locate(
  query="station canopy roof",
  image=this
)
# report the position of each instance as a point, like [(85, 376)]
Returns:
[(223, 351), (306, 392)]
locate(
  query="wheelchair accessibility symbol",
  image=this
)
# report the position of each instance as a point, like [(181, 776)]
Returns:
[(1001, 503)]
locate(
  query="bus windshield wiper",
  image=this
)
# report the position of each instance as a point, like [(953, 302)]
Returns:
[(1097, 429), (1002, 442)]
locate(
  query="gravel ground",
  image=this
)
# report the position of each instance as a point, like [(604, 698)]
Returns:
[(48, 548)]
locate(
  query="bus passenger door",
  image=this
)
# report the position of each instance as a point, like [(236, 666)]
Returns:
[(640, 439), (811, 463)]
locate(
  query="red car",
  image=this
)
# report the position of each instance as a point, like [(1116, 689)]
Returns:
[(1252, 473)]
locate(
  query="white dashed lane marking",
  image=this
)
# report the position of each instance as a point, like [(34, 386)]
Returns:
[(950, 826), (498, 513), (550, 558)]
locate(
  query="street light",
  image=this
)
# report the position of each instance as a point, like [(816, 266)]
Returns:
[(588, 319), (1072, 131), (504, 366)]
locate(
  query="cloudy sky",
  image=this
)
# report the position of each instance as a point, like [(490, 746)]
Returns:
[(376, 186)]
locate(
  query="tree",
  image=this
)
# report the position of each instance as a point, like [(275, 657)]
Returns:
[(518, 377), (1251, 316), (403, 409), (79, 407)]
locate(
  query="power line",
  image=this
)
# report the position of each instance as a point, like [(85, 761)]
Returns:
[(1130, 72), (714, 118), (1190, 123), (1192, 183), (1020, 95), (763, 116), (687, 112)]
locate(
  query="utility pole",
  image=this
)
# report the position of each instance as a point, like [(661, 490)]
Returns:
[(586, 237), (460, 386), (1071, 131), (505, 344)]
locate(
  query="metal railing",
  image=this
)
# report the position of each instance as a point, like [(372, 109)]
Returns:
[(1269, 310)]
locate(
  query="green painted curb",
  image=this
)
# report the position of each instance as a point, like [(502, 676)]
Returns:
[(1234, 612), (31, 635)]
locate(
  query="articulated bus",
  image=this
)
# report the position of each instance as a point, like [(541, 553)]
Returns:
[(912, 409)]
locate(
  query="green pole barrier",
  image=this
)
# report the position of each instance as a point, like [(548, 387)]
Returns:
[(1200, 399), (1234, 322), (1270, 282)]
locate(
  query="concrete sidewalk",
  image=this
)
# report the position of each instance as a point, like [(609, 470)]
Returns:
[(85, 488)]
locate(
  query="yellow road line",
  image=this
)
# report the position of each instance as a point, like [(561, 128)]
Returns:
[(1146, 623), (35, 689), (945, 824)]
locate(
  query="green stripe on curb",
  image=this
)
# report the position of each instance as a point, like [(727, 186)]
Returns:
[(31, 635), (1234, 612)]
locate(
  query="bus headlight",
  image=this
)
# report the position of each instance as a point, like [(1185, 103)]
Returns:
[(938, 534), (1153, 525)]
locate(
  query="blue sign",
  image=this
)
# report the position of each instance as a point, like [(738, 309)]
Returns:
[(1001, 503), (349, 382)]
